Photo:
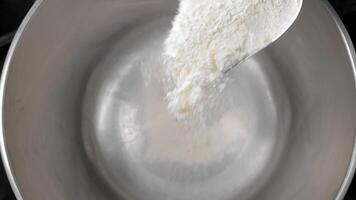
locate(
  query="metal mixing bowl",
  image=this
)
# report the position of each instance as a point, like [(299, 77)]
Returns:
[(79, 122)]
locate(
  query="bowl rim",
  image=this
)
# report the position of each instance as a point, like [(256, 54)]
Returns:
[(7, 63), (352, 55), (5, 159)]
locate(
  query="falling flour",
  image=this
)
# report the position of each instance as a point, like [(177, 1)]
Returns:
[(208, 36)]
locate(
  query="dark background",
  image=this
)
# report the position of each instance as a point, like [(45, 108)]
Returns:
[(13, 11)]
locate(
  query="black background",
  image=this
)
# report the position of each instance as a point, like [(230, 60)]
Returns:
[(13, 11)]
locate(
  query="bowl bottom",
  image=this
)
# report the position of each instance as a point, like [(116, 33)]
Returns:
[(142, 152)]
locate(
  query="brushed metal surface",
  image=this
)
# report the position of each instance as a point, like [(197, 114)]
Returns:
[(83, 119)]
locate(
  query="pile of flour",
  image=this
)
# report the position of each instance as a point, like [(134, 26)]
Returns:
[(208, 36)]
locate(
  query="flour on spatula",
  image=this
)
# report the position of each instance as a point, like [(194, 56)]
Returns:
[(209, 35)]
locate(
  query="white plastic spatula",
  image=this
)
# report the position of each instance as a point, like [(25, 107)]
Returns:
[(288, 23), (210, 37)]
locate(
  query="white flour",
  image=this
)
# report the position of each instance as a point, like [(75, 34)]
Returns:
[(210, 35)]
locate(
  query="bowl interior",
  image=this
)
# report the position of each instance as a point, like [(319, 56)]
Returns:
[(84, 116)]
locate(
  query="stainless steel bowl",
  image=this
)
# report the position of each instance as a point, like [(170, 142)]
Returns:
[(79, 120)]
